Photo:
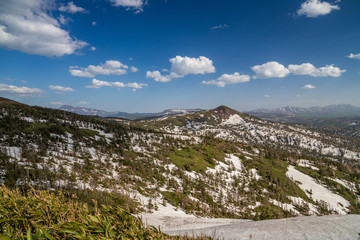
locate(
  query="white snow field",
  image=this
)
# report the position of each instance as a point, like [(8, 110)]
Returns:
[(331, 227), (318, 192)]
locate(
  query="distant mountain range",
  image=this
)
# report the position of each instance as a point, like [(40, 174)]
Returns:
[(340, 119), (129, 116), (330, 111)]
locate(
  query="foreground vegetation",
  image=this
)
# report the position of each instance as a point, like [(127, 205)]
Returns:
[(45, 215)]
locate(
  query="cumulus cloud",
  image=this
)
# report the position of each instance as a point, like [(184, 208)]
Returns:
[(220, 26), (156, 75), (93, 24), (315, 8), (225, 79), (182, 66), (354, 56), (186, 65), (214, 82), (277, 70), (309, 69), (234, 78), (61, 88), (270, 70), (110, 67), (137, 5), (4, 88), (83, 103), (71, 8), (134, 69), (93, 48), (136, 85), (98, 84), (28, 26), (308, 86)]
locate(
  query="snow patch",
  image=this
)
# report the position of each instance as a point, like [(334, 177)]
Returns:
[(318, 192), (234, 119)]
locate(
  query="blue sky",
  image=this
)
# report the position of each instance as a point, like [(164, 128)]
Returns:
[(147, 56)]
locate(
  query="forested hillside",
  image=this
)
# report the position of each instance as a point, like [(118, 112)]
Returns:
[(217, 163)]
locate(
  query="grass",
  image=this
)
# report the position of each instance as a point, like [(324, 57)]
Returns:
[(197, 158), (190, 160), (88, 132), (274, 179), (39, 215)]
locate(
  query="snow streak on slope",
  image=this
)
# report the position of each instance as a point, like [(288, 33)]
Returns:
[(233, 120), (318, 192)]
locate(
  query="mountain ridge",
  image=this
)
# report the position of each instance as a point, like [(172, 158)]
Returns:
[(126, 115), (335, 110), (214, 163)]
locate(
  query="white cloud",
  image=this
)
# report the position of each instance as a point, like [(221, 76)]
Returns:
[(158, 77), (270, 70), (308, 86), (57, 103), (136, 85), (98, 84), (228, 79), (181, 66), (267, 96), (354, 56), (27, 26), (186, 65), (71, 8), (61, 89), (134, 69), (315, 8), (214, 82), (93, 48), (220, 26), (234, 78), (83, 103), (19, 90), (93, 24), (309, 69), (64, 20), (110, 67), (303, 69), (130, 4), (277, 70)]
